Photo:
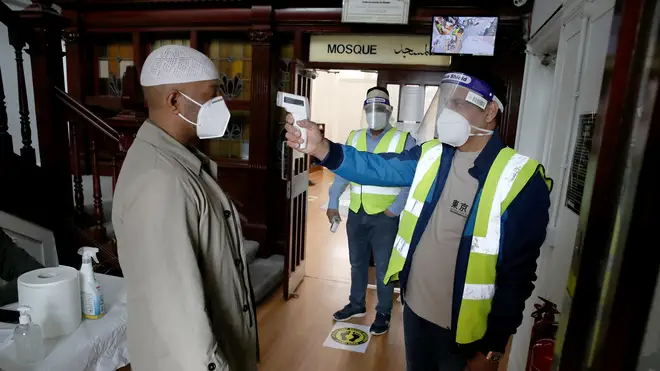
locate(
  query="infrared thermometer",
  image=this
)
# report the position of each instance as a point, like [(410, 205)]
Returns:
[(298, 107)]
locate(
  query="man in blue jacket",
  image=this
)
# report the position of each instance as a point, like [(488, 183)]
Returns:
[(374, 212), (471, 229)]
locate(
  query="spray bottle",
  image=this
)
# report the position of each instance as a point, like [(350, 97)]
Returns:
[(90, 290), (28, 338)]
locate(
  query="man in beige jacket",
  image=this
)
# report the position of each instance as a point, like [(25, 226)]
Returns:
[(190, 302)]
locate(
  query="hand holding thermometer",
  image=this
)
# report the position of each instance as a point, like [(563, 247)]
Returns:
[(298, 107)]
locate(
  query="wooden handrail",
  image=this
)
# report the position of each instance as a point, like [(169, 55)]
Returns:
[(8, 17), (13, 22), (87, 115)]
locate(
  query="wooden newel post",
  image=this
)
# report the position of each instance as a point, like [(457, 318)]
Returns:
[(6, 143), (52, 127)]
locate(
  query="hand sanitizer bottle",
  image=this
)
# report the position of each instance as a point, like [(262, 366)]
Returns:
[(90, 290), (28, 339)]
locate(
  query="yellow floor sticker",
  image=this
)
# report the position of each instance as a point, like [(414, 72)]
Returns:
[(348, 336)]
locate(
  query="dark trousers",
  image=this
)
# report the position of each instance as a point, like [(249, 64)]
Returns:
[(367, 233), (430, 347)]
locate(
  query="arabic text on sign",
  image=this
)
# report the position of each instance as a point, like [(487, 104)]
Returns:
[(410, 51)]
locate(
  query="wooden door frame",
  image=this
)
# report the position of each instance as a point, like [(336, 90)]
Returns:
[(616, 277), (297, 218)]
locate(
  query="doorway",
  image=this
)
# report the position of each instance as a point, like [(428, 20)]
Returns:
[(327, 256)]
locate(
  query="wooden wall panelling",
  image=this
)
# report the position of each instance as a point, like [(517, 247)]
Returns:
[(194, 39), (139, 54), (256, 184), (260, 38), (163, 20)]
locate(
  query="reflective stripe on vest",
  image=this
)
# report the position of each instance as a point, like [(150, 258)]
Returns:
[(506, 178), (373, 199), (425, 174)]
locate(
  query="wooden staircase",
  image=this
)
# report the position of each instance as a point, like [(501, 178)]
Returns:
[(51, 194), (78, 150)]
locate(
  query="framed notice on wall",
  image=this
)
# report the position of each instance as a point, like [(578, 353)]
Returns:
[(580, 162), (375, 11)]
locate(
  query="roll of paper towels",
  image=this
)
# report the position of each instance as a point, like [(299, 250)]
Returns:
[(54, 296)]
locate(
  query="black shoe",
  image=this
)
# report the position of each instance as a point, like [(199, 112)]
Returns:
[(381, 324), (349, 312)]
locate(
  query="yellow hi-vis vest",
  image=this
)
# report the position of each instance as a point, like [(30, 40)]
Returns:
[(506, 178), (375, 200)]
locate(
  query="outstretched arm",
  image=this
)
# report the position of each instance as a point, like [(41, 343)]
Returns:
[(385, 169), (397, 207)]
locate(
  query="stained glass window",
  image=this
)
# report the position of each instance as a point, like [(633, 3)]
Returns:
[(236, 141), (158, 43), (113, 60), (284, 67), (233, 59)]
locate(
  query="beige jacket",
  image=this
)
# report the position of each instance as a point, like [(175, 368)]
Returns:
[(181, 250)]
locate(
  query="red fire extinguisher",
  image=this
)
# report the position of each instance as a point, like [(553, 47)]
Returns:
[(542, 341)]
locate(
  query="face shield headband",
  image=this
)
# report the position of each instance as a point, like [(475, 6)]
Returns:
[(485, 93)]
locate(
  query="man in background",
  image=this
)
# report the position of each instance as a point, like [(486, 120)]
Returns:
[(374, 212), (14, 261), (190, 302)]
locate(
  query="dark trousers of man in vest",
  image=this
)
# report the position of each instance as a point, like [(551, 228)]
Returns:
[(367, 234)]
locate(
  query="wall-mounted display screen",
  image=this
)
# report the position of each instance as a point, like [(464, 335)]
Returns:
[(463, 35)]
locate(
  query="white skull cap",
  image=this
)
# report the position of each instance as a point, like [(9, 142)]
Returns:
[(176, 64)]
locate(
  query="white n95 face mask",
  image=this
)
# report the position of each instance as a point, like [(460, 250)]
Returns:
[(212, 118), (454, 129), (377, 120)]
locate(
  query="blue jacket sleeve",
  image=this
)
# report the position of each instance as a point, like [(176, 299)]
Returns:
[(336, 189), (524, 233), (384, 169), (400, 203)]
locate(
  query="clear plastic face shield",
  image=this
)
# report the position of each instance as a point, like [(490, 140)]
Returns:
[(377, 113), (458, 110)]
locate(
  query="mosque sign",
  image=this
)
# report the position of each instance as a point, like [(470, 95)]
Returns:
[(374, 49)]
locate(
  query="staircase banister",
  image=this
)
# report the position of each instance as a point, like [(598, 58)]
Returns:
[(7, 16), (13, 22), (88, 116)]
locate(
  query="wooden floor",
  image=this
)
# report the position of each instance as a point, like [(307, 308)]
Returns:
[(291, 334), (327, 252)]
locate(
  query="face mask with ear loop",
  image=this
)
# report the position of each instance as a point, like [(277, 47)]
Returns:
[(450, 126), (212, 118)]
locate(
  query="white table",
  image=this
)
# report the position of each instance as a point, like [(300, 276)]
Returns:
[(97, 345)]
